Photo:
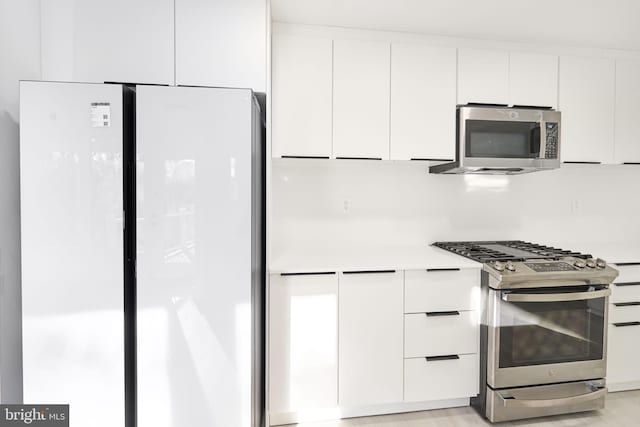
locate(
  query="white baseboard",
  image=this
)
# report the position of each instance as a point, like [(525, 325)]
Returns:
[(626, 386), (362, 411)]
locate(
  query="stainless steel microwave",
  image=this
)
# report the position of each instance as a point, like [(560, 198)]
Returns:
[(502, 140)]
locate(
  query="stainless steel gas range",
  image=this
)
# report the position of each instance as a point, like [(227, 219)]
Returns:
[(543, 333)]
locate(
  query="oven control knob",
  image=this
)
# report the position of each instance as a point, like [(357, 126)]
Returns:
[(580, 263), (498, 266), (510, 266), (600, 263), (591, 263)]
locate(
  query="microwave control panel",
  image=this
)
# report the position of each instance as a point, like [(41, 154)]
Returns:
[(551, 146)]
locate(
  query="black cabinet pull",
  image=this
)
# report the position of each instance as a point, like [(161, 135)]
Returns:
[(582, 163), (420, 159), (628, 284), (430, 270), (625, 264), (359, 158), (369, 272), (626, 304), (313, 273), (622, 324), (305, 157), (437, 358), (442, 313)]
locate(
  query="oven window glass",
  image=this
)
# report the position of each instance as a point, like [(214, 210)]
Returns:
[(538, 333), (501, 139)]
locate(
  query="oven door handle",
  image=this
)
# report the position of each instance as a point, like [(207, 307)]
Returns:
[(511, 402), (567, 296)]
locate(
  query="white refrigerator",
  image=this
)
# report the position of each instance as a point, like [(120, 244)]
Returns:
[(143, 253)]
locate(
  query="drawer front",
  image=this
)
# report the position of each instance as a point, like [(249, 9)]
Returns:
[(437, 334), (625, 312), (623, 351), (625, 292), (628, 273), (441, 379), (441, 290)]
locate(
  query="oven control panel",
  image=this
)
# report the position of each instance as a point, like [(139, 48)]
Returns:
[(550, 266)]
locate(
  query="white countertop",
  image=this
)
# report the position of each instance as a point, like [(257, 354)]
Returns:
[(395, 258), (420, 257)]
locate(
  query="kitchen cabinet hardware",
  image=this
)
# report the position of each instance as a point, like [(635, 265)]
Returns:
[(431, 270), (623, 324), (631, 163), (359, 158), (311, 273), (626, 304), (626, 264), (305, 157), (442, 313), (369, 272), (627, 284), (438, 358), (418, 159), (581, 163)]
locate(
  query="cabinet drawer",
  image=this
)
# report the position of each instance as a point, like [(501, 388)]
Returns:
[(629, 312), (622, 354), (625, 292), (441, 290), (440, 379), (436, 334), (628, 273)]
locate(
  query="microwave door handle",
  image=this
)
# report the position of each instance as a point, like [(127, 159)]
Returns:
[(547, 403), (568, 296)]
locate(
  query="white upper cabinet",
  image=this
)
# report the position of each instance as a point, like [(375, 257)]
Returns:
[(128, 41), (483, 76), (361, 78), (423, 102), (627, 120), (533, 79), (370, 349), (301, 86), (587, 101), (221, 43)]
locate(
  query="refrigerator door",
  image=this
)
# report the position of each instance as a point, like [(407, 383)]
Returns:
[(194, 280), (72, 249)]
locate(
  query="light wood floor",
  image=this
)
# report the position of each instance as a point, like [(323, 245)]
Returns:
[(622, 410)]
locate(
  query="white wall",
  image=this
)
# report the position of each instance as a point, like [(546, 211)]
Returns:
[(334, 205), (19, 60)]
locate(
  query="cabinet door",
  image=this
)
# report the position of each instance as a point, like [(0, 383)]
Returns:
[(221, 43), (533, 79), (423, 102), (116, 41), (371, 339), (586, 100), (483, 76), (303, 342), (627, 125), (622, 354), (301, 87), (361, 99)]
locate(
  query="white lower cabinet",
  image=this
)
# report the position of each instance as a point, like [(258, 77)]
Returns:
[(303, 343), (440, 378), (623, 370), (371, 341), (433, 334)]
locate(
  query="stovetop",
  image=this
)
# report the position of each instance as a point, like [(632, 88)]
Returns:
[(507, 250)]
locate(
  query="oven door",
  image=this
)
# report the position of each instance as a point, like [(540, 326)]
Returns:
[(544, 336)]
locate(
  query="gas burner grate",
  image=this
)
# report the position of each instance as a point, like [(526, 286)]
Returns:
[(507, 250)]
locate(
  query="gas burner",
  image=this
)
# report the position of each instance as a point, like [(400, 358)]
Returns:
[(507, 250)]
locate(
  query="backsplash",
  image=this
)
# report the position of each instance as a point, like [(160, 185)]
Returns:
[(326, 204)]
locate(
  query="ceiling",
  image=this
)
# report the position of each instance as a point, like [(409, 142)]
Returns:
[(583, 23)]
